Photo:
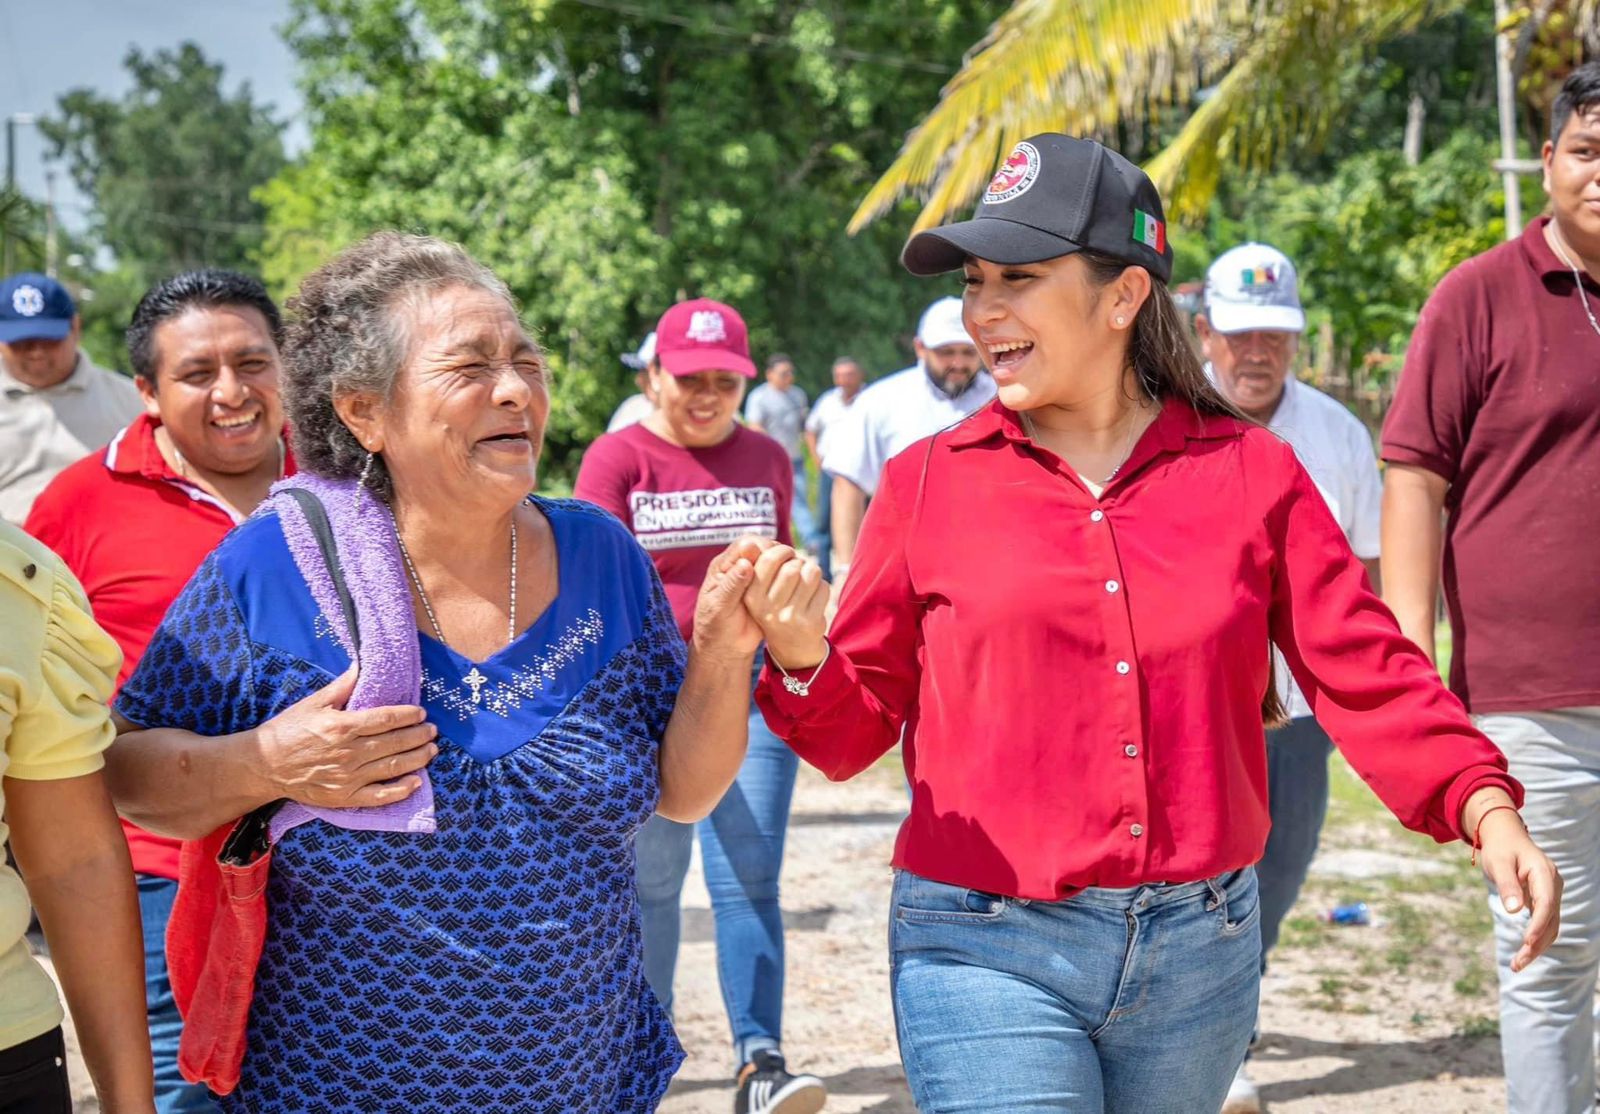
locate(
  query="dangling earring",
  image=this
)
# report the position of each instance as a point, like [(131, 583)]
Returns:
[(366, 470)]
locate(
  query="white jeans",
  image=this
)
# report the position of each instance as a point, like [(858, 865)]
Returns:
[(1546, 1011)]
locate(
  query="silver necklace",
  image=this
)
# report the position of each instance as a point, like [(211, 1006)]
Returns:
[(1583, 297), (474, 680), (1127, 448)]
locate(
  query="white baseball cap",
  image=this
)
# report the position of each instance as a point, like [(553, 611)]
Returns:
[(1252, 287), (641, 359), (941, 324)]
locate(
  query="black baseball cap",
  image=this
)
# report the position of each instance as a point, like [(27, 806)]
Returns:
[(1054, 195)]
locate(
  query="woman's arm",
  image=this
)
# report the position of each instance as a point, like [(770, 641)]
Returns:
[(75, 861), (706, 738), (855, 703), (181, 784), (1382, 702)]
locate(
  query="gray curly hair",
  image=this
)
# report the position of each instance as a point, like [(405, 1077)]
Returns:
[(346, 334)]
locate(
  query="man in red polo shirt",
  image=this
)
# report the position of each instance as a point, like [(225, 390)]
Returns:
[(1496, 423), (135, 520)]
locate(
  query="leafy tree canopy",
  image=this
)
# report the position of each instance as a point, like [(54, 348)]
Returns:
[(171, 165), (609, 157)]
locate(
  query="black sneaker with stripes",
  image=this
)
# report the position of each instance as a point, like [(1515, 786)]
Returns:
[(770, 1089)]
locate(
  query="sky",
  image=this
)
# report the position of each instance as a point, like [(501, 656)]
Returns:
[(50, 46)]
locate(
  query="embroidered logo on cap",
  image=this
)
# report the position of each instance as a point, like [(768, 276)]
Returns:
[(28, 301), (1259, 276), (1015, 176), (1148, 231), (707, 327)]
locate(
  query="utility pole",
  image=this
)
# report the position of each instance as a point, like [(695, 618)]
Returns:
[(12, 122), (50, 228), (1508, 164)]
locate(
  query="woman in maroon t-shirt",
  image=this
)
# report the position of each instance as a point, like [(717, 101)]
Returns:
[(688, 481)]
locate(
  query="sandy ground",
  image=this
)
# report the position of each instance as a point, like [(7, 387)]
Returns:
[(1396, 1018)]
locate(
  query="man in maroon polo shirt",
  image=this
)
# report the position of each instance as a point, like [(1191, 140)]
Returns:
[(1496, 424), (135, 520)]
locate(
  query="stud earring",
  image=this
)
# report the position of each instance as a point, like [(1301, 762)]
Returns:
[(1121, 321)]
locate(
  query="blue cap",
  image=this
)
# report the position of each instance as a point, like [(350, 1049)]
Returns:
[(34, 307)]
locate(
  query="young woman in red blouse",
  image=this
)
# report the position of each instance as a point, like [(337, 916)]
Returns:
[(1066, 602)]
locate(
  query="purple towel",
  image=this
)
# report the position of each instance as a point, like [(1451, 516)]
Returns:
[(389, 666)]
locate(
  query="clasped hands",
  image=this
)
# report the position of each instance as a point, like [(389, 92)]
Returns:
[(759, 590)]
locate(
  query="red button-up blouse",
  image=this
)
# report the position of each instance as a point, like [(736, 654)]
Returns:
[(1080, 680)]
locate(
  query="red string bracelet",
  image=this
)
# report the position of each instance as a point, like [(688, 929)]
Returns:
[(1477, 832)]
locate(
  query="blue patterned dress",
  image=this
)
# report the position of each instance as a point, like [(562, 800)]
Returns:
[(494, 966)]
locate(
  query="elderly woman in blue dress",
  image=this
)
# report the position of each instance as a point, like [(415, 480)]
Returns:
[(483, 952)]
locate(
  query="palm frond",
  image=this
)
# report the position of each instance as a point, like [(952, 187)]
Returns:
[(1084, 66), (1058, 65)]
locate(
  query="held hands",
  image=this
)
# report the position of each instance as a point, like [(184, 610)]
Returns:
[(1525, 879), (317, 753), (789, 599), (722, 626), (757, 589)]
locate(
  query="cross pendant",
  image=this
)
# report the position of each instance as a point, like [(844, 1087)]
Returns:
[(475, 681)]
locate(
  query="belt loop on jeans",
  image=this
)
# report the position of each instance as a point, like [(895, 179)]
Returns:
[(1217, 896)]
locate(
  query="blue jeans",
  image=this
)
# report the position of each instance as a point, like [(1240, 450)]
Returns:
[(822, 536), (1115, 1001), (173, 1094), (741, 846), (1297, 795), (801, 523)]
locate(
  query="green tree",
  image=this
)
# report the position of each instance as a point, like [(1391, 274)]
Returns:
[(607, 157), (1248, 83), (1371, 240), (171, 166)]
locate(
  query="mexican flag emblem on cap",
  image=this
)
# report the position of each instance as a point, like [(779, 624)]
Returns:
[(1148, 231)]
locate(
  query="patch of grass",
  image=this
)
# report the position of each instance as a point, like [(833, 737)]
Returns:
[(1303, 931), (1482, 1026), (1472, 983), (1411, 935)]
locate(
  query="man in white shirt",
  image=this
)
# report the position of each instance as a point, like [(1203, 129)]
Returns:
[(832, 405), (1249, 327), (636, 407), (947, 383), (56, 406)]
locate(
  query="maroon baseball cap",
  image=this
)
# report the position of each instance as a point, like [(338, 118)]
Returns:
[(703, 335)]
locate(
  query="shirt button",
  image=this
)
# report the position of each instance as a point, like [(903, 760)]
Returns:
[(1097, 516), (1136, 830), (1131, 751), (1112, 585), (1124, 668)]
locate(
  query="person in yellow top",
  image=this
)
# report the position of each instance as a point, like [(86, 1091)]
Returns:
[(56, 670)]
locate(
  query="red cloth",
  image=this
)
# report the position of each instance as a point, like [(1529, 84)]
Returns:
[(133, 532), (1081, 681), (687, 505), (214, 939), (1500, 395)]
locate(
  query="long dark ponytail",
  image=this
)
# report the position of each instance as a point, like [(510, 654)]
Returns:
[(1166, 366)]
